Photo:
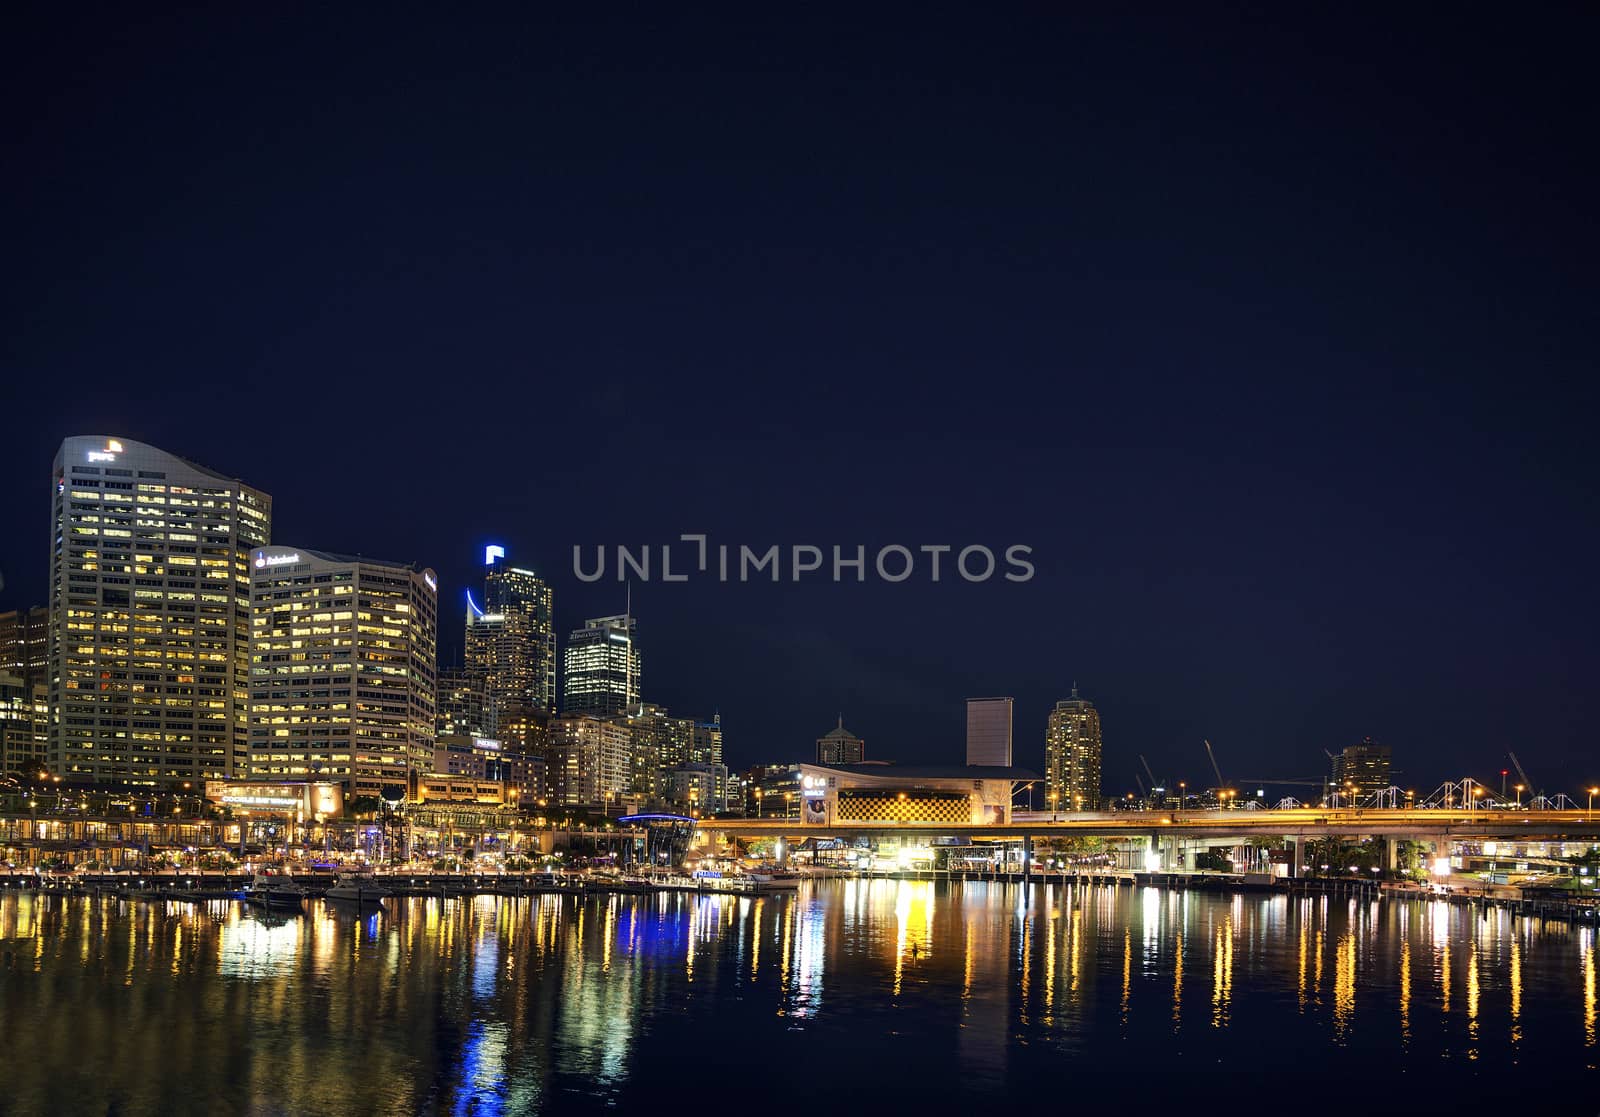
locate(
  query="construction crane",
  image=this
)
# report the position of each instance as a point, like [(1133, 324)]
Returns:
[(1218, 771), (1533, 792)]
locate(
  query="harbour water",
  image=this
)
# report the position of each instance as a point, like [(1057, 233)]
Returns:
[(844, 997)]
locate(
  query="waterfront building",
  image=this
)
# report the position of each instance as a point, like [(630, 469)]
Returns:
[(25, 644), (510, 640), (588, 761), (1072, 755), (840, 746), (149, 615), (600, 674), (342, 669), (483, 758), (989, 732), (1367, 766), (24, 725), (845, 793), (295, 800)]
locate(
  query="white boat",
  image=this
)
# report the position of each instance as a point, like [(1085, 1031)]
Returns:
[(357, 889), (274, 893), (769, 880)]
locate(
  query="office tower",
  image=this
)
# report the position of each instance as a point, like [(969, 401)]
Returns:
[(149, 615), (1366, 766), (25, 644), (461, 707), (840, 746), (601, 668), (588, 761), (989, 731), (24, 726), (342, 662), (511, 640), (1072, 755)]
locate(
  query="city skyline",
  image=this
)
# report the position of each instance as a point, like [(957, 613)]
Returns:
[(529, 599)]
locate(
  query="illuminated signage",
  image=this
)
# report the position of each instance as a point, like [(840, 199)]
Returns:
[(492, 552), (109, 454), (265, 560), (427, 576)]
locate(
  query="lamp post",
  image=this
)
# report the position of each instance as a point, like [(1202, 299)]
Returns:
[(758, 803), (1053, 797), (1182, 795), (1593, 791), (1519, 796)]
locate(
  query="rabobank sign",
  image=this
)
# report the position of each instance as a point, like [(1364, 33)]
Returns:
[(265, 560)]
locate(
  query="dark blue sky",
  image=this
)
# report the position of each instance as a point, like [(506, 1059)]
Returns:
[(1275, 341)]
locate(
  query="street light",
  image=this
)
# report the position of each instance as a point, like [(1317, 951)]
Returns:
[(1593, 791), (1053, 796), (1519, 796), (758, 803)]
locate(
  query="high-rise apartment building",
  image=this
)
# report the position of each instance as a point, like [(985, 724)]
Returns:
[(588, 761), (25, 644), (511, 639), (840, 746), (600, 674), (658, 742), (705, 751), (149, 615), (1072, 755), (342, 669), (989, 732)]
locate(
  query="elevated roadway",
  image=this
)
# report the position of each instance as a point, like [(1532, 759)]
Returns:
[(1306, 822)]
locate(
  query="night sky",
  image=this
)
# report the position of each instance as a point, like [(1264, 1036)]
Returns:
[(1275, 342)]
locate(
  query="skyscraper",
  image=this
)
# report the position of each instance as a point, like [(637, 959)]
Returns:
[(25, 644), (1072, 755), (840, 746), (1365, 766), (149, 614), (461, 707), (511, 640), (989, 731), (342, 669), (601, 668), (24, 726)]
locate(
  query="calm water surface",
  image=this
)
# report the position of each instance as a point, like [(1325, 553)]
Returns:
[(845, 996)]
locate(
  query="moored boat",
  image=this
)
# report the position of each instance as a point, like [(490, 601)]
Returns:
[(357, 889), (274, 894)]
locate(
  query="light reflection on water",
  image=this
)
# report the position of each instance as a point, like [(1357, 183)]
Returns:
[(499, 1005)]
